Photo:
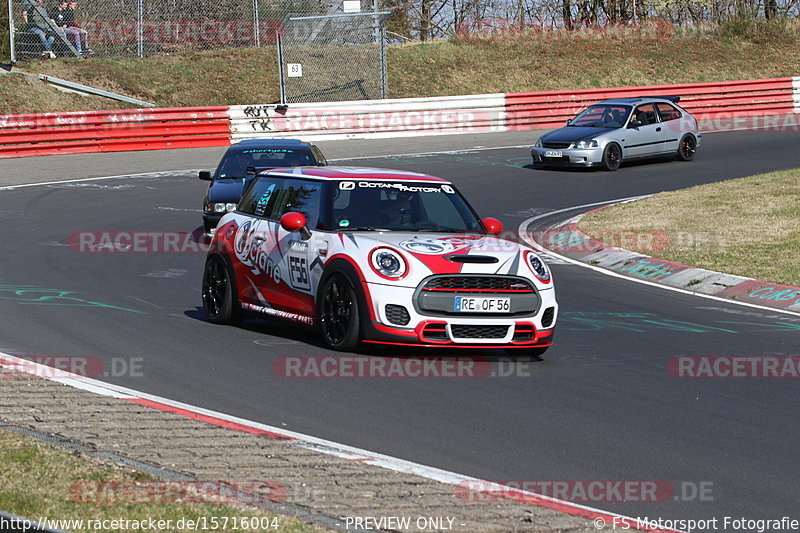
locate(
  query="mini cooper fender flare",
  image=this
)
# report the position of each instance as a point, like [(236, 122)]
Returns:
[(344, 266)]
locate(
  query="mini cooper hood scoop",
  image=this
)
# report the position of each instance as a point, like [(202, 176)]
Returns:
[(472, 258)]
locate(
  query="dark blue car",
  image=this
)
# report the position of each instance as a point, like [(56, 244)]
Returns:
[(242, 162)]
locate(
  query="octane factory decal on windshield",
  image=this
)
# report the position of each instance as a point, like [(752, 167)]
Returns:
[(448, 189), (400, 186), (347, 185)]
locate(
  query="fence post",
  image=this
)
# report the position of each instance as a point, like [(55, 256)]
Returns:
[(139, 28), (11, 36), (384, 72), (256, 28), (281, 81)]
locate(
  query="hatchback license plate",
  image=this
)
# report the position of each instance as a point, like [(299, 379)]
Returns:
[(553, 153), (464, 304)]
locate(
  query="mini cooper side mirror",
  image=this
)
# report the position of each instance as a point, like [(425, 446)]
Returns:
[(569, 121), (294, 221), (205, 175), (492, 225)]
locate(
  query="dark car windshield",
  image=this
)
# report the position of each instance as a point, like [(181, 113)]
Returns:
[(235, 162), (400, 206), (602, 116)]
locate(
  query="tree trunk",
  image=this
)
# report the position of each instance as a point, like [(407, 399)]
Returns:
[(425, 20), (566, 14)]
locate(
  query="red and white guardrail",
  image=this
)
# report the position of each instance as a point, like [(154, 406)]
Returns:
[(718, 106)]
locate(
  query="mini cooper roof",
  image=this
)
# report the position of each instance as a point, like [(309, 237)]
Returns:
[(353, 174)]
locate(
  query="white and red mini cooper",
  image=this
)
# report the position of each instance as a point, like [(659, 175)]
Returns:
[(379, 256)]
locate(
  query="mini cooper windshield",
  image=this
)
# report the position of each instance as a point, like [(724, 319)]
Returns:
[(602, 116), (400, 206)]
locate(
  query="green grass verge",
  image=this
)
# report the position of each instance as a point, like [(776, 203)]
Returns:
[(36, 480), (439, 68), (747, 226)]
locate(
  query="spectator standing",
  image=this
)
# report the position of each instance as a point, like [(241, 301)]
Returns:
[(39, 26), (77, 33)]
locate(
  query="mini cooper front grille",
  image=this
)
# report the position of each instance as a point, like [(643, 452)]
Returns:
[(478, 284), (397, 314), (561, 145), (547, 317), (461, 331)]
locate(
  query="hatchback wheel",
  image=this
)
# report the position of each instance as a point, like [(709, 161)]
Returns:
[(612, 157), (687, 147)]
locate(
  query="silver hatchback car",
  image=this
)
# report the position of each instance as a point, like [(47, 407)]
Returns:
[(610, 132)]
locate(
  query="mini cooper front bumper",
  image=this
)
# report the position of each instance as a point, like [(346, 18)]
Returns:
[(431, 313)]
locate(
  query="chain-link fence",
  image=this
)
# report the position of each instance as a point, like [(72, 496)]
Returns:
[(138, 28), (333, 57)]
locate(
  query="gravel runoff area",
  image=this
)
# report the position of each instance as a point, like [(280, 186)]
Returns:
[(320, 488)]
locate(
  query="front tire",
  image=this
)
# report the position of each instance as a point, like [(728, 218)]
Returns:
[(338, 312), (687, 147), (612, 157), (219, 297)]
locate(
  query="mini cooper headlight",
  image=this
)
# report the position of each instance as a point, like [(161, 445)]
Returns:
[(587, 144), (538, 267), (388, 263), (222, 207)]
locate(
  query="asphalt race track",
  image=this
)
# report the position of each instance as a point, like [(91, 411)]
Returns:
[(600, 407)]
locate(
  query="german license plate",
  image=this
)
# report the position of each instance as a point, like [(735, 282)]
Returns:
[(465, 304), (553, 153)]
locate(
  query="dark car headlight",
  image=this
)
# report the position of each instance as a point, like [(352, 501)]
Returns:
[(538, 143), (221, 207)]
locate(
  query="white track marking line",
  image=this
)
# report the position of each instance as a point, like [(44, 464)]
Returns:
[(77, 180)]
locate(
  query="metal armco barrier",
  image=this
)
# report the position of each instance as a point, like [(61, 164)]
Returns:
[(113, 131), (777, 96), (718, 106), (372, 119)]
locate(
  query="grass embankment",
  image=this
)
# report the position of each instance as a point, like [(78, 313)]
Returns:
[(39, 479), (441, 68), (746, 226)]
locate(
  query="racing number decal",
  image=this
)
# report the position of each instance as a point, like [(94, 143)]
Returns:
[(298, 270)]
